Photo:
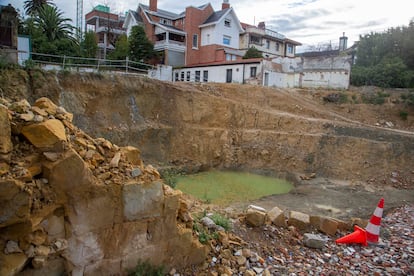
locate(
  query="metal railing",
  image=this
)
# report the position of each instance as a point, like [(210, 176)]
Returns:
[(55, 62)]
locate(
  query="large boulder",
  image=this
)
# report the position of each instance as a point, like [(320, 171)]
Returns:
[(46, 135)]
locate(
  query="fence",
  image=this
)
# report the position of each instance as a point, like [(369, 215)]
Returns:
[(53, 62)]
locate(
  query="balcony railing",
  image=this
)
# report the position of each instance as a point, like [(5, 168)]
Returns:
[(274, 34), (168, 44)]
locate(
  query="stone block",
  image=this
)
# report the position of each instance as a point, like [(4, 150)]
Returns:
[(132, 155), (55, 227), (47, 135), (255, 217), (277, 217), (47, 105), (142, 200), (313, 241), (6, 145), (92, 214), (299, 220), (358, 221), (15, 203), (12, 264), (52, 267), (329, 226), (83, 250), (67, 174)]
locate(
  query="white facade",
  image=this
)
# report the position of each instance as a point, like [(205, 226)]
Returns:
[(230, 73), (328, 72), (226, 31)]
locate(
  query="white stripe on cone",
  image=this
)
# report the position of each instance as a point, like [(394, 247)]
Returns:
[(372, 229)]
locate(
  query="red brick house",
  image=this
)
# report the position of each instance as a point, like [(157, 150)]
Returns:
[(197, 35)]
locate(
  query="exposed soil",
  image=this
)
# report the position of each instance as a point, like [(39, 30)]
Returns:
[(357, 151)]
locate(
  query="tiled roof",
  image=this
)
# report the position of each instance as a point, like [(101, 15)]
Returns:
[(215, 16), (136, 15), (163, 13)]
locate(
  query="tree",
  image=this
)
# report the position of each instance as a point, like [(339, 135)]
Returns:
[(386, 59), (51, 32), (252, 52), (32, 7), (121, 48), (140, 48), (89, 45), (52, 24)]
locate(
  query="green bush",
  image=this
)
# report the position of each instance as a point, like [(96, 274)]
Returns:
[(403, 115), (221, 221), (378, 98), (147, 269)]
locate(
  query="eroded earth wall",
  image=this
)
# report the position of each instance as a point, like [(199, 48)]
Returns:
[(224, 125)]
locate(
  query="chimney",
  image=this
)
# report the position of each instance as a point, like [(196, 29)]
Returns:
[(262, 25), (225, 5), (153, 5), (343, 42)]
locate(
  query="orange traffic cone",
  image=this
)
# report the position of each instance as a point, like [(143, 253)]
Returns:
[(373, 227), (358, 236)]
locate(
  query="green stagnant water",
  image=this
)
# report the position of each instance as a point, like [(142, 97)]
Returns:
[(223, 188)]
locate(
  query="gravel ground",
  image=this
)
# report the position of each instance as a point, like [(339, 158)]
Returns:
[(272, 250)]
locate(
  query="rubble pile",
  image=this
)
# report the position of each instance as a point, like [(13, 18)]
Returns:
[(73, 204), (275, 250)]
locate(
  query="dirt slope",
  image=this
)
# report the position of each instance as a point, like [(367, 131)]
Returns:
[(285, 132)]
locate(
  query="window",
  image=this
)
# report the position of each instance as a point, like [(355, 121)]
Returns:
[(227, 22), (267, 44), (253, 71), (188, 75), (230, 57), (195, 41), (205, 76), (176, 76), (277, 46), (197, 76), (226, 40), (208, 39), (165, 21), (182, 76), (290, 48), (255, 40)]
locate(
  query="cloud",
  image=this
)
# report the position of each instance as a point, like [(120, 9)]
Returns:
[(300, 4)]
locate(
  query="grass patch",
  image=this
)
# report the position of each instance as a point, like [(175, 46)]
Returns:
[(144, 268), (226, 187)]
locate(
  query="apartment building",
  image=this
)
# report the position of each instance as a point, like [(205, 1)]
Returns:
[(107, 26), (195, 36), (271, 43)]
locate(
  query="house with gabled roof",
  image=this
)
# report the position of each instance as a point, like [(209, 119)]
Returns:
[(194, 36)]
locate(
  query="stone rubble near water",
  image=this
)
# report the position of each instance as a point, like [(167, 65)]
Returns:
[(271, 250)]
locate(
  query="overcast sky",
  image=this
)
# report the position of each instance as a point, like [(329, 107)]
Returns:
[(310, 22)]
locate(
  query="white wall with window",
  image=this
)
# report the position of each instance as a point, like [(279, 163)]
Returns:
[(225, 32), (240, 73)]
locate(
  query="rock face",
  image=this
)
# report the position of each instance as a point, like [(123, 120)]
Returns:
[(72, 204)]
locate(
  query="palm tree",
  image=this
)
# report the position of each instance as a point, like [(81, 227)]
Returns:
[(52, 24), (32, 6)]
